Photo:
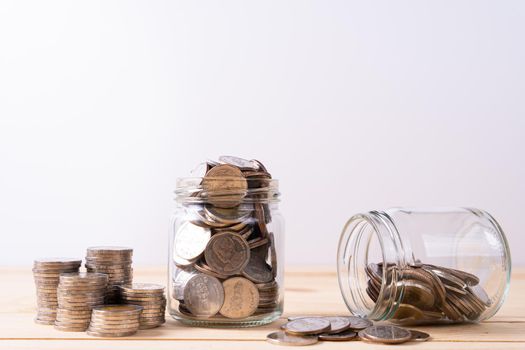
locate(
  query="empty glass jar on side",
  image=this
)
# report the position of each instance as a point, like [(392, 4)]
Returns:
[(226, 252), (424, 266)]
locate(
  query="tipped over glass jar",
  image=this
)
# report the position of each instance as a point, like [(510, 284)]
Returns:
[(226, 246), (424, 266)]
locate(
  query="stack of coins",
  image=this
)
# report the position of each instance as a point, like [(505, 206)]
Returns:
[(304, 330), (78, 293), (432, 293), (116, 263), (46, 273), (151, 297), (115, 320), (226, 243)]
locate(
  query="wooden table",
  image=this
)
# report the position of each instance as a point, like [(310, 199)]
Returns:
[(312, 291)]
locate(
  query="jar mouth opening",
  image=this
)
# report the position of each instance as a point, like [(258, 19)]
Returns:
[(368, 239), (190, 190)]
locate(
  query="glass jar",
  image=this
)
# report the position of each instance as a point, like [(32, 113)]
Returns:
[(424, 266), (226, 251)]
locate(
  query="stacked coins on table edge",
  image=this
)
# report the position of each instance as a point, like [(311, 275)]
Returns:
[(46, 273), (150, 297), (116, 263), (227, 246), (77, 294), (115, 320)]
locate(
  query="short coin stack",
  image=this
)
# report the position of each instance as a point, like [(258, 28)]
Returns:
[(432, 293), (304, 330), (151, 297), (226, 244), (114, 262), (115, 320), (78, 293), (46, 273)]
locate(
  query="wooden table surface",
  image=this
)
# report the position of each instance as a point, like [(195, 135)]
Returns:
[(309, 291)]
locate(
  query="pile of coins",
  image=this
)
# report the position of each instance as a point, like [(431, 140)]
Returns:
[(114, 262), (46, 273), (225, 246), (78, 293), (432, 293), (115, 320), (304, 330), (152, 300)]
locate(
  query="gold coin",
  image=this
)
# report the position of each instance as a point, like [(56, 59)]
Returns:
[(241, 298)]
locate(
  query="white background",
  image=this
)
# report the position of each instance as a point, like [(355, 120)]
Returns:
[(352, 105)]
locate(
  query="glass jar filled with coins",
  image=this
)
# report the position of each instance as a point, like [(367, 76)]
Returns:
[(226, 246), (424, 266)]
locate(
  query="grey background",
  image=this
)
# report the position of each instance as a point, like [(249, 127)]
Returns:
[(352, 105)]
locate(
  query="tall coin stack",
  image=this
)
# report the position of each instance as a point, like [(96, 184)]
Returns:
[(78, 293), (115, 320), (225, 244), (46, 273), (114, 262), (151, 297)]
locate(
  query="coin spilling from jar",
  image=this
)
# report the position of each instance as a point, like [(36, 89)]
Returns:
[(224, 249), (308, 330), (431, 293)]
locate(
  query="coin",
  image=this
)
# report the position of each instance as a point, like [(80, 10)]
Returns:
[(343, 336), (282, 338), (225, 186), (337, 324), (239, 162), (419, 336), (191, 240), (203, 295), (257, 270), (227, 253), (358, 323), (241, 298), (307, 326), (387, 334)]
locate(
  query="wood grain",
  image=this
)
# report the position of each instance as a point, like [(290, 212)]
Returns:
[(309, 291)]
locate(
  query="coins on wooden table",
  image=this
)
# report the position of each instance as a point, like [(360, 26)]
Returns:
[(431, 293), (241, 298), (115, 320), (225, 234), (77, 294), (46, 273), (152, 299), (386, 334), (282, 338), (113, 261), (307, 326)]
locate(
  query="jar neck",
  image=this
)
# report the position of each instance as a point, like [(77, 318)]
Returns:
[(191, 191), (354, 254)]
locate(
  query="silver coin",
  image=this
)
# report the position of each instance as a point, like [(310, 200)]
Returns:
[(418, 335), (338, 324), (203, 295), (281, 338), (239, 162), (191, 240), (343, 336), (257, 269), (307, 326), (358, 323), (387, 334)]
